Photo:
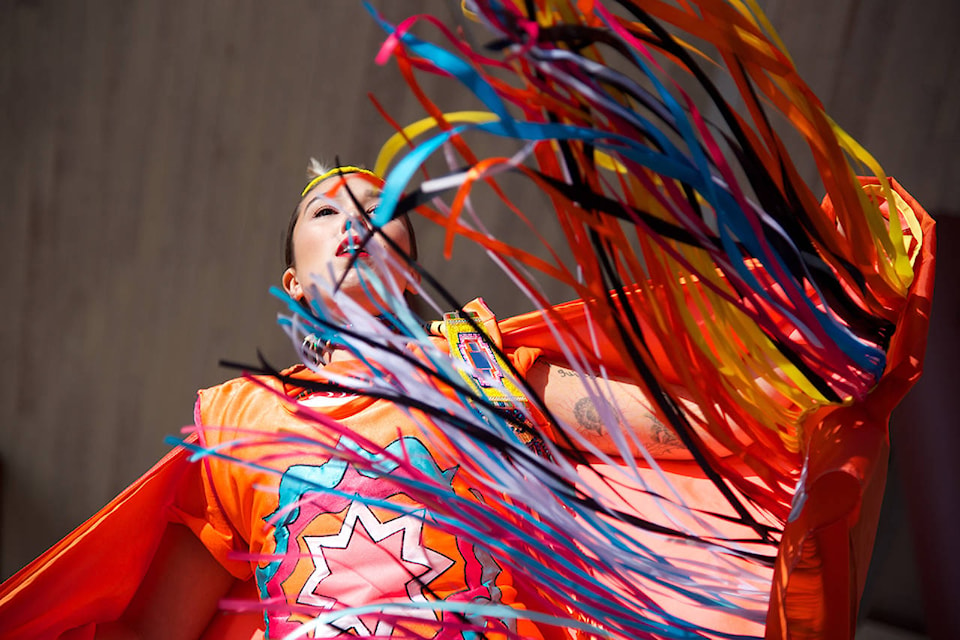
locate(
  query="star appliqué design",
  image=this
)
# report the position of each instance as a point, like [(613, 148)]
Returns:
[(363, 564)]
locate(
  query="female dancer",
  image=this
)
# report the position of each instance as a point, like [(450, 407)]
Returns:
[(773, 334), (313, 532)]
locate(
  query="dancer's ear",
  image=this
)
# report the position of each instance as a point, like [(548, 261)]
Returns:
[(291, 284)]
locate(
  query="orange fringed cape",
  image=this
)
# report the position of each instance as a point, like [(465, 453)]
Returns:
[(821, 565), (825, 550)]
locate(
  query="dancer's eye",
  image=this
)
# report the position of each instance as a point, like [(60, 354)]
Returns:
[(324, 211)]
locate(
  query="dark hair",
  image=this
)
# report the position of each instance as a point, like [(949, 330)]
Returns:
[(288, 238)]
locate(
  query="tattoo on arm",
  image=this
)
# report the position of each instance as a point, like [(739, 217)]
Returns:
[(662, 438), (587, 416), (567, 373)]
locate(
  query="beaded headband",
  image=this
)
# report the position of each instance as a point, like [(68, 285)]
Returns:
[(337, 171)]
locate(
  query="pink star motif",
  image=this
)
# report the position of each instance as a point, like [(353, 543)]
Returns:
[(376, 562)]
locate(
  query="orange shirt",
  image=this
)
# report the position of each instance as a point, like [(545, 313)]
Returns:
[(320, 534)]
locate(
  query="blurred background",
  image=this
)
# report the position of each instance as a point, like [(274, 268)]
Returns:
[(151, 153)]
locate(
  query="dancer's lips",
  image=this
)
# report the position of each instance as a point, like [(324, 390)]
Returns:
[(351, 246)]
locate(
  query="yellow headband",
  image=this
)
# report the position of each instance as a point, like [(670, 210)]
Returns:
[(334, 172)]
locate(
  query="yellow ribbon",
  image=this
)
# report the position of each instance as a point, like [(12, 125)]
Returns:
[(397, 141)]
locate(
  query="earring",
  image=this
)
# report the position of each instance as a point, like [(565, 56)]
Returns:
[(316, 350)]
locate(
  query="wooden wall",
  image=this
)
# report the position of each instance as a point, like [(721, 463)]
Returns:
[(150, 153)]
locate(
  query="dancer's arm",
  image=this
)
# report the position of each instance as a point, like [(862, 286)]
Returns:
[(179, 595), (565, 395)]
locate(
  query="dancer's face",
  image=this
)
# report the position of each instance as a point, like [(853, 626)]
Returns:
[(329, 231)]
